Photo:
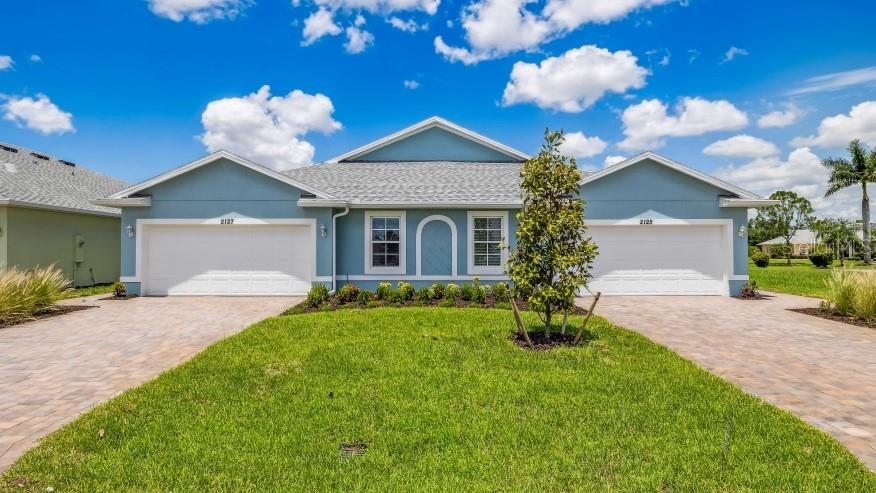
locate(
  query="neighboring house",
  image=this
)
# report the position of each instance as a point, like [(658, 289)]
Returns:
[(432, 203), (804, 242), (47, 217)]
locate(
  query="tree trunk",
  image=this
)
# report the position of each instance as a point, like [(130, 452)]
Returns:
[(790, 250), (865, 216), (547, 322)]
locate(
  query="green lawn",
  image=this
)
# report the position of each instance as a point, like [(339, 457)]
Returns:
[(801, 277), (445, 402), (90, 290)]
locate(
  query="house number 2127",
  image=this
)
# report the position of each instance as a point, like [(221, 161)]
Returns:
[(229, 220)]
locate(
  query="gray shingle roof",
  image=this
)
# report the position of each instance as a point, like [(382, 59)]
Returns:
[(49, 182), (399, 182)]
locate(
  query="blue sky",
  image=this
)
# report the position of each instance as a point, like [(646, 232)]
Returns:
[(124, 86)]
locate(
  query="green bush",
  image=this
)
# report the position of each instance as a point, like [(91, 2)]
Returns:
[(451, 292), (821, 260), (779, 251), (500, 291), (753, 250), (120, 290), (424, 294), (318, 295), (761, 259), (437, 291), (364, 296), (348, 293), (749, 291), (405, 291), (24, 294), (384, 290), (840, 291), (466, 292), (864, 295)]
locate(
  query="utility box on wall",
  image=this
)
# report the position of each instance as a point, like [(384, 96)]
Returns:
[(78, 249)]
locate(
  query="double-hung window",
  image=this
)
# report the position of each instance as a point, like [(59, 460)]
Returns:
[(487, 234), (384, 236)]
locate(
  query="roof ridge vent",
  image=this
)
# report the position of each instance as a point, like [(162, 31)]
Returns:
[(8, 149), (40, 156), (66, 163)]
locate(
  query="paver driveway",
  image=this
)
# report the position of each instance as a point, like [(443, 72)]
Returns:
[(54, 369), (822, 371)]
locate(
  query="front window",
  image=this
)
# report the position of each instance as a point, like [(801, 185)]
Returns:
[(385, 241), (488, 241)]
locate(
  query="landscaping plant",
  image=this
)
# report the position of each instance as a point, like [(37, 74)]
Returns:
[(317, 295), (348, 293), (821, 259), (451, 292), (24, 294), (749, 291), (554, 255), (384, 290), (840, 291), (466, 292), (437, 291), (120, 290), (500, 291), (864, 295), (405, 291), (860, 169)]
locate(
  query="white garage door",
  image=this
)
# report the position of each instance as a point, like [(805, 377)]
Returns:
[(653, 259), (227, 259)]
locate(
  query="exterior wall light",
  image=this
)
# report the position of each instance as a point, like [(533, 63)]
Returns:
[(742, 231), (322, 231), (130, 231)]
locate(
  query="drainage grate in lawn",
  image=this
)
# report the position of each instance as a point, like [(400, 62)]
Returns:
[(354, 449)]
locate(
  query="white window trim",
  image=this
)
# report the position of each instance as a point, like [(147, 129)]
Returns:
[(402, 240), (474, 270)]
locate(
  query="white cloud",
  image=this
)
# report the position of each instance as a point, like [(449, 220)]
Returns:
[(410, 84), (6, 62), (318, 24), (381, 6), (495, 28), (839, 130), (579, 145), (612, 160), (358, 40), (648, 124), (39, 114), (836, 81), (575, 80), (781, 118), (742, 146), (198, 11), (268, 129), (36, 58), (802, 173), (732, 53), (408, 26)]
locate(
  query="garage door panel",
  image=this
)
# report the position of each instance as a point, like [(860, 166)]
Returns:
[(227, 260), (658, 259)]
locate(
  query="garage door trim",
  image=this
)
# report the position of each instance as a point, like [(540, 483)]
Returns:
[(141, 224), (647, 222)]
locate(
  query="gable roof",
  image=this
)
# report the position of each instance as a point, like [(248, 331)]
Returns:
[(711, 180), (433, 122), (433, 183), (803, 236), (31, 178), (221, 154)]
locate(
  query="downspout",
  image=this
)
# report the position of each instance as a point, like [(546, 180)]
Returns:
[(334, 242)]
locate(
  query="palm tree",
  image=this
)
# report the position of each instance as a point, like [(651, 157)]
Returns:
[(844, 173)]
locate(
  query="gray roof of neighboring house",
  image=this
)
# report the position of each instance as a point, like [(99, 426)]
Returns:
[(51, 183), (802, 236), (400, 182)]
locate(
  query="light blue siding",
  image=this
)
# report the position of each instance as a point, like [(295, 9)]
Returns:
[(224, 189), (651, 190), (436, 249), (435, 144)]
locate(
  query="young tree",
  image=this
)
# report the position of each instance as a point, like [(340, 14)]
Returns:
[(838, 235), (553, 255), (859, 170), (791, 214)]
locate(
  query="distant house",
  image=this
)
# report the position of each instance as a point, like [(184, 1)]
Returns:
[(46, 217), (803, 243)]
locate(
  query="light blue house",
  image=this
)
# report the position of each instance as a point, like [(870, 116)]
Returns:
[(434, 202)]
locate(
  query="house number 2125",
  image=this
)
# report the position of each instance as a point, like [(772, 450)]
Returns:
[(229, 220), (646, 221)]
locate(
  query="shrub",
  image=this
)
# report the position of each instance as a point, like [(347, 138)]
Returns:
[(318, 295), (364, 296), (384, 290), (840, 290), (467, 292), (120, 290), (864, 295), (761, 260), (779, 251), (749, 291), (479, 294), (451, 292), (24, 294), (405, 291), (424, 294), (437, 291), (500, 291), (821, 260), (753, 250), (348, 293)]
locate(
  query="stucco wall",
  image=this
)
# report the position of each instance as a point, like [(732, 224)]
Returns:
[(222, 189), (4, 234), (37, 237)]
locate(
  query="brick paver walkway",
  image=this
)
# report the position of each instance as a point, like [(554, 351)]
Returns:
[(54, 369), (820, 370)]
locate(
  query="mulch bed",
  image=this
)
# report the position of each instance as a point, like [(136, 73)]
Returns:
[(121, 298), (53, 312), (817, 312), (334, 304)]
